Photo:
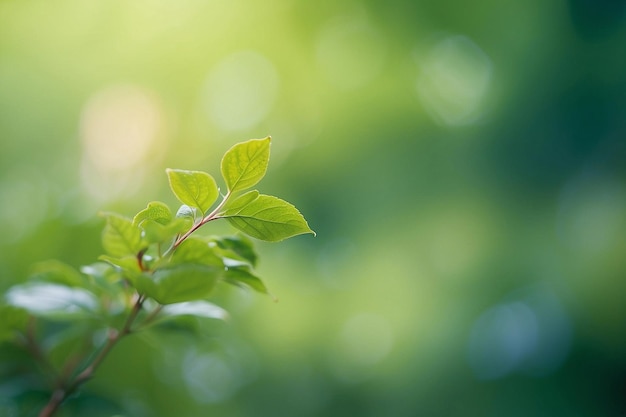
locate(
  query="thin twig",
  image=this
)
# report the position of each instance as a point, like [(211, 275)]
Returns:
[(30, 343), (209, 217), (65, 389)]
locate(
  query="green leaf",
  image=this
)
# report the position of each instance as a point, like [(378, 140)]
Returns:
[(182, 283), (193, 188), (126, 265), (120, 237), (156, 211), (238, 248), (242, 276), (202, 309), (102, 272), (53, 301), (245, 164), (104, 279), (57, 272), (155, 232), (144, 284), (241, 201), (198, 251), (265, 217)]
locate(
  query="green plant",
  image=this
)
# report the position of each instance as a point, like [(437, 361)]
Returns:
[(155, 268)]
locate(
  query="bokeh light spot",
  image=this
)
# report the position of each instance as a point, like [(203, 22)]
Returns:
[(331, 260), (365, 339), (530, 333), (209, 378), (592, 214), (350, 52), (454, 79), (240, 91), (24, 206), (120, 128)]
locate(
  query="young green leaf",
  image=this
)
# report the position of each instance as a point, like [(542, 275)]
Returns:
[(57, 272), (156, 211), (238, 248), (144, 284), (193, 188), (183, 283), (120, 237), (187, 212), (265, 217), (197, 251), (155, 232), (104, 278), (240, 202), (241, 276), (102, 272), (245, 164), (186, 316), (126, 265)]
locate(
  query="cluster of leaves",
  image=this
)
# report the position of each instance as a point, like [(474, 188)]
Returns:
[(155, 268)]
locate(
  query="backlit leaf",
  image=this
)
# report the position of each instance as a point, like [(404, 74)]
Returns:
[(183, 283), (241, 276), (156, 211), (245, 164), (121, 237), (237, 248), (144, 284), (265, 217), (155, 232), (126, 265), (57, 272), (193, 188), (240, 202), (197, 251), (104, 278), (200, 308), (101, 272)]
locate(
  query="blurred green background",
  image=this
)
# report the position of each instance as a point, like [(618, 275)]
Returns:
[(463, 165)]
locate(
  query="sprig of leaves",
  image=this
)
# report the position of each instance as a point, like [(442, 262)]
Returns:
[(153, 270)]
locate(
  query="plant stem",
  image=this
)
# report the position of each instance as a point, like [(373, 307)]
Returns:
[(151, 316), (211, 216), (31, 345), (64, 390)]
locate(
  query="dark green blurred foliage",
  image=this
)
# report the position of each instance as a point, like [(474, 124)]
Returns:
[(461, 164)]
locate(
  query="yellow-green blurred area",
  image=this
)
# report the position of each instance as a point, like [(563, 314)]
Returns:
[(463, 165)]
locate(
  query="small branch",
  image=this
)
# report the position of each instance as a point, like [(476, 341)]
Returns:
[(53, 404), (63, 391), (211, 216), (151, 316), (31, 345), (140, 260), (114, 337)]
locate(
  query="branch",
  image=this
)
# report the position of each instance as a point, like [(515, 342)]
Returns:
[(205, 220), (62, 392)]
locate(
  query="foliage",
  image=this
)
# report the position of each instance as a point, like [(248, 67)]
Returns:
[(155, 270)]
